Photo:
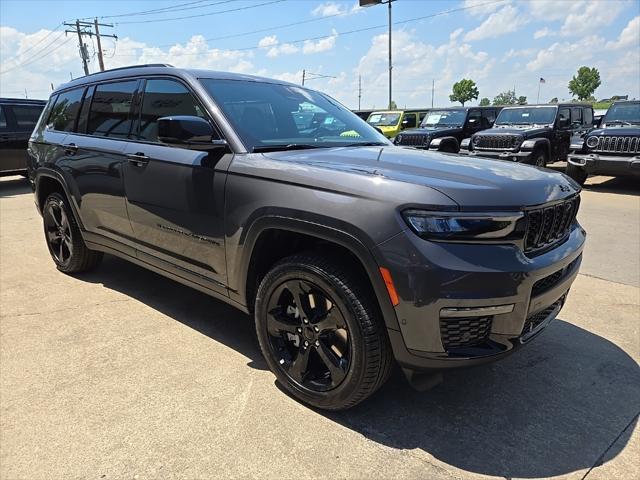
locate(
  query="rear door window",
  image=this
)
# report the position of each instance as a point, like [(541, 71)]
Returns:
[(65, 111), (588, 117), (576, 115), (3, 118), (488, 117), (409, 120), (26, 116), (110, 114)]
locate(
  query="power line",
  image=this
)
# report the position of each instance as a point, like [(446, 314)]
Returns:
[(172, 9), (37, 43), (46, 54), (348, 32), (246, 7)]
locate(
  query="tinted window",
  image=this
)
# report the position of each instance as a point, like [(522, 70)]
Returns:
[(576, 115), (588, 116), (564, 115), (488, 117), (65, 111), (421, 117), (526, 116), (110, 113), (474, 115), (3, 119), (409, 120), (383, 119), (26, 116), (84, 111), (444, 118), (163, 98)]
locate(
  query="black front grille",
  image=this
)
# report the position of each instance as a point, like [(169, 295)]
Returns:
[(550, 281), (495, 142), (611, 144), (532, 322), (464, 332), (412, 140), (549, 225)]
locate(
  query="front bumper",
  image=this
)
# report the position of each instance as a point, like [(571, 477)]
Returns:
[(521, 156), (432, 276), (613, 165)]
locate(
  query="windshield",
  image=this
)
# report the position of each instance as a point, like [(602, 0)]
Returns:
[(383, 119), (444, 118), (527, 116), (624, 113), (267, 115)]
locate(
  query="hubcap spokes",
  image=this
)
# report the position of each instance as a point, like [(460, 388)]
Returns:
[(309, 335), (58, 232)]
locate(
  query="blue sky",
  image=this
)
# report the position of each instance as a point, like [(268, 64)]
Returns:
[(499, 44)]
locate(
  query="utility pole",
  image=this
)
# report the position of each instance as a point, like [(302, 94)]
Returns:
[(359, 90), (368, 3), (85, 29), (304, 72), (433, 89)]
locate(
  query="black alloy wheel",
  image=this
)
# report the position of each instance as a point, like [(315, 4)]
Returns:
[(58, 232), (308, 335), (321, 331)]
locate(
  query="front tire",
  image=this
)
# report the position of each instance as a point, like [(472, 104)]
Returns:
[(321, 332), (63, 237), (578, 174), (539, 159)]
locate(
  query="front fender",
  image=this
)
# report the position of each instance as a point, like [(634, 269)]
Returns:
[(239, 268), (531, 144)]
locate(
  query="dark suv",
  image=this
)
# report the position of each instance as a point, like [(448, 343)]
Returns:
[(348, 251), (533, 134), (612, 149), (443, 129), (18, 117)]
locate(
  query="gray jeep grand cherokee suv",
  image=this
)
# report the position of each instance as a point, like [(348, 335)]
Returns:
[(348, 251)]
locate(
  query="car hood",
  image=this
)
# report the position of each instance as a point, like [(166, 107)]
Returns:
[(619, 131), (515, 130), (470, 182)]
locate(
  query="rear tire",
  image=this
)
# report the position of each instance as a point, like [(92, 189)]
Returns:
[(63, 237), (321, 332), (578, 174)]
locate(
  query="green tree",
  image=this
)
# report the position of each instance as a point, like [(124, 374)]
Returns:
[(463, 91), (485, 102), (505, 98), (554, 100), (584, 83), (522, 100)]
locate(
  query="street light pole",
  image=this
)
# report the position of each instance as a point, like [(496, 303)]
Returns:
[(390, 59)]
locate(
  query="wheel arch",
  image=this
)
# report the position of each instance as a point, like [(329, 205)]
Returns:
[(445, 144), (538, 143), (48, 181), (308, 235)]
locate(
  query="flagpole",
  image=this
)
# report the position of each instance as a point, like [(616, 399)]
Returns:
[(539, 83)]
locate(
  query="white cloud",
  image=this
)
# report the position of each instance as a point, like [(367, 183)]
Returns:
[(543, 32), (591, 18), (507, 20), (275, 48), (629, 37), (480, 8), (330, 9), (321, 45), (560, 53)]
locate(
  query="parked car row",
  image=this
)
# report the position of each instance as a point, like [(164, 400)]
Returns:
[(18, 117), (349, 252)]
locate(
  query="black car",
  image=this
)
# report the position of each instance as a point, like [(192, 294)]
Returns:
[(18, 117), (349, 252), (613, 149), (532, 134), (444, 129)]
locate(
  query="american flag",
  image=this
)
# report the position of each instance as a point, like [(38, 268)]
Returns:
[(542, 80)]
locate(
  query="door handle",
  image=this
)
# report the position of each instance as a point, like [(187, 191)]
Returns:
[(139, 159), (70, 149)]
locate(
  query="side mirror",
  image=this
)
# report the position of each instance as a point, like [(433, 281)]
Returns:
[(472, 122), (187, 131)]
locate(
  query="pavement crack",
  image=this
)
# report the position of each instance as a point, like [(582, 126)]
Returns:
[(600, 460)]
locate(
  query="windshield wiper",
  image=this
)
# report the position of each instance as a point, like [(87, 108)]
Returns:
[(283, 146), (623, 122), (365, 144)]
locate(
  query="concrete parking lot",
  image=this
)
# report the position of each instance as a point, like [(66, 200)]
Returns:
[(123, 374)]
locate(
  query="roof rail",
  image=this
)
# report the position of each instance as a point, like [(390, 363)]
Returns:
[(146, 65)]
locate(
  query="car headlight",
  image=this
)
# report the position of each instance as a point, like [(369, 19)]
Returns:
[(592, 142), (476, 141), (462, 226)]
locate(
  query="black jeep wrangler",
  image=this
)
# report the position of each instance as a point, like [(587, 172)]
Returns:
[(613, 149), (533, 134), (444, 129)]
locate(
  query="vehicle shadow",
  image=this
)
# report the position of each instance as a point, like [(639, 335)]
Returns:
[(550, 409), (12, 186), (603, 184)]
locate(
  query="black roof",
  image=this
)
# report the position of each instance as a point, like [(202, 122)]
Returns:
[(561, 104), (23, 101), (163, 69)]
